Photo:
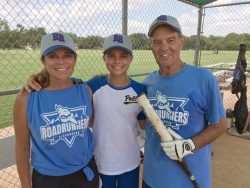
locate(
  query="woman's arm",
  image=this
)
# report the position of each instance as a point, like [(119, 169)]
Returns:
[(22, 140)]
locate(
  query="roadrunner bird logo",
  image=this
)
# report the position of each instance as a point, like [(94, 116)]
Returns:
[(65, 115), (162, 102), (171, 110), (64, 124)]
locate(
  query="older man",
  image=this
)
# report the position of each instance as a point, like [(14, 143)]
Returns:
[(188, 100)]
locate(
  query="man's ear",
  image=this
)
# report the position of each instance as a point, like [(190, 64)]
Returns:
[(103, 57), (183, 41), (132, 57), (184, 38)]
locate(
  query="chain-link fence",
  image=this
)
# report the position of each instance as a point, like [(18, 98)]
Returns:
[(225, 27), (24, 22)]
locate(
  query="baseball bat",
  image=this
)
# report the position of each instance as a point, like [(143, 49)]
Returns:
[(162, 130)]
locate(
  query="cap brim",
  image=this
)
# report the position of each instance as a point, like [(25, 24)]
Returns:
[(152, 28), (120, 47), (49, 50)]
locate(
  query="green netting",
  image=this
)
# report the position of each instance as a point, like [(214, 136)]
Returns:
[(202, 2), (198, 2)]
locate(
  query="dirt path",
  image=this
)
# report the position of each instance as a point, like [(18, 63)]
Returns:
[(230, 165), (231, 162)]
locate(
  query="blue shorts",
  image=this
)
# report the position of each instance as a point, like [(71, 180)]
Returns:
[(128, 179)]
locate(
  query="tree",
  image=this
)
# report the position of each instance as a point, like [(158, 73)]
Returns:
[(34, 36), (19, 37), (4, 25), (139, 41), (190, 43), (215, 42), (231, 45), (233, 37), (4, 33), (90, 42)]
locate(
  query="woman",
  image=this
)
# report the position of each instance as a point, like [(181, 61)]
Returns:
[(53, 127)]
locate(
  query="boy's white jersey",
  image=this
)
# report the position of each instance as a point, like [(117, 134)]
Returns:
[(115, 125)]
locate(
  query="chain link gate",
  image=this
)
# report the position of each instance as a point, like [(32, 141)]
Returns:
[(24, 22)]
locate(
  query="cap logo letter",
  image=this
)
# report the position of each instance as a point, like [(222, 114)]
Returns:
[(118, 38), (58, 36), (162, 18)]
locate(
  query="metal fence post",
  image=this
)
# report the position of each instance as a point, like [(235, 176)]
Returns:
[(125, 17), (197, 47)]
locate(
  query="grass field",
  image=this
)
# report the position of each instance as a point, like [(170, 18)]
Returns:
[(18, 65)]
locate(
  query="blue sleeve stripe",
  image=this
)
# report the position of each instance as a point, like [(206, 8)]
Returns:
[(96, 83), (138, 87)]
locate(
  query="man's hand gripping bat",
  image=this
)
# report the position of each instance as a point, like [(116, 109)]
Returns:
[(163, 131)]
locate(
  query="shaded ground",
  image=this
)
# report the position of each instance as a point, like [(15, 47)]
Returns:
[(231, 162)]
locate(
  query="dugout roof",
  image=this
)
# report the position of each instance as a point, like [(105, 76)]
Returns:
[(197, 3)]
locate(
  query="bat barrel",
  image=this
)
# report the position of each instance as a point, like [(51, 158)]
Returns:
[(162, 130)]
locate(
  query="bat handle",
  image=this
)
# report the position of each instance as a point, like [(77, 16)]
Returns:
[(189, 174)]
